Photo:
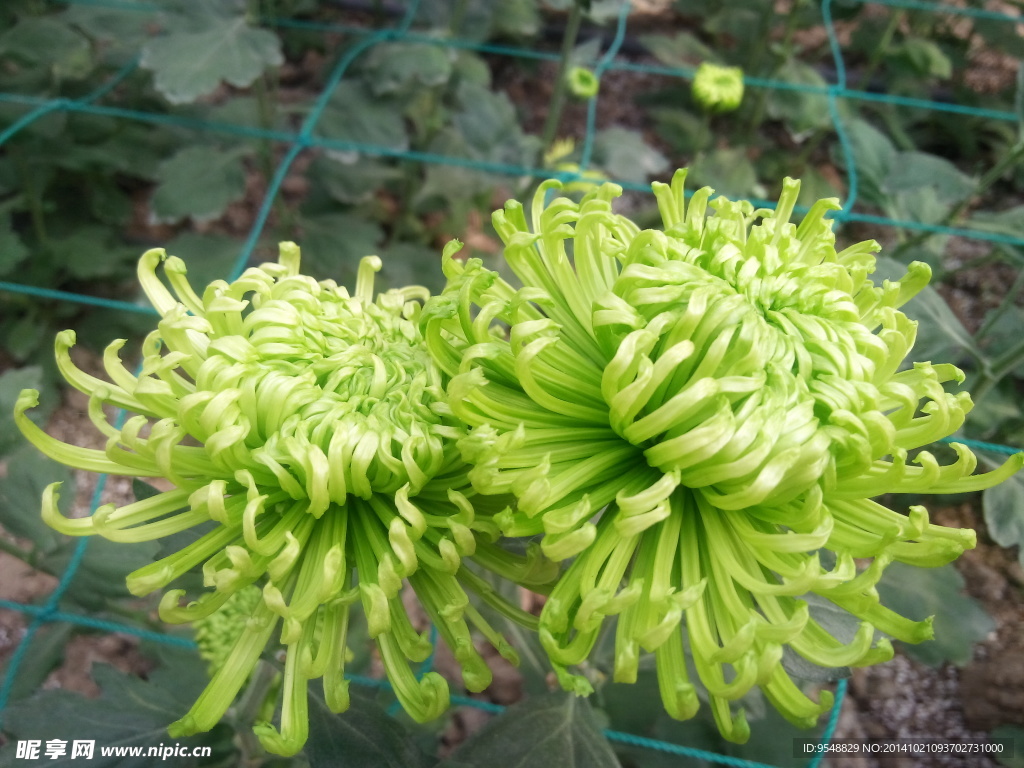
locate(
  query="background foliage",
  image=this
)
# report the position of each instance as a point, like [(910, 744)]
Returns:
[(127, 125)]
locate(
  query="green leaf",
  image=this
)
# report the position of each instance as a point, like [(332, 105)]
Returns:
[(91, 252), (925, 58), (1009, 222), (516, 18), (397, 66), (43, 41), (198, 182), (728, 171), (960, 620), (625, 156), (355, 114), (207, 257), (555, 729), (333, 244), (129, 712), (917, 171), (800, 111), (28, 473), (1004, 513), (875, 156), (43, 655), (100, 578), (363, 737), (12, 250), (680, 50), (1016, 733), (187, 65), (354, 182)]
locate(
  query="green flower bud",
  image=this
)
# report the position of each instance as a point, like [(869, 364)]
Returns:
[(312, 427), (583, 83), (694, 414), (718, 89)]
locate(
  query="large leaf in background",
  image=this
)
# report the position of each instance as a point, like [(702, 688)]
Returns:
[(351, 182), (363, 737), (28, 473), (198, 182), (333, 243), (1009, 222), (129, 712), (915, 171), (625, 156), (207, 257), (680, 50), (355, 114), (12, 250), (45, 42), (1004, 513), (874, 155), (555, 729), (397, 66), (728, 171), (43, 654), (190, 64), (941, 337), (918, 593), (801, 111)]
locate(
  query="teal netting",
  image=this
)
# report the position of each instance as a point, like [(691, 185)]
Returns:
[(307, 138)]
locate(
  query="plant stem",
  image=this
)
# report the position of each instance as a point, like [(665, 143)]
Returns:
[(557, 104)]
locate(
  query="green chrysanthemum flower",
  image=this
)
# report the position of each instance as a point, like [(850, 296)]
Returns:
[(717, 88), (728, 391), (312, 427)]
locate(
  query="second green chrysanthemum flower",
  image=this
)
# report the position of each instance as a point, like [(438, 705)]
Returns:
[(311, 428), (695, 414)]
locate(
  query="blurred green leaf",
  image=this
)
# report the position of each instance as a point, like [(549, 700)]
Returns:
[(728, 171), (917, 171), (355, 114), (28, 473), (129, 712), (394, 67), (682, 49), (555, 729), (625, 156), (925, 58), (190, 64), (1009, 222), (333, 244), (1015, 732), (91, 252), (43, 41), (198, 182), (800, 111), (1004, 513), (960, 620), (363, 737), (44, 654), (207, 257), (354, 182), (100, 578), (12, 249)]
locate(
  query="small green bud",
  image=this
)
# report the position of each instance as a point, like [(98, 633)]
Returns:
[(718, 89)]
